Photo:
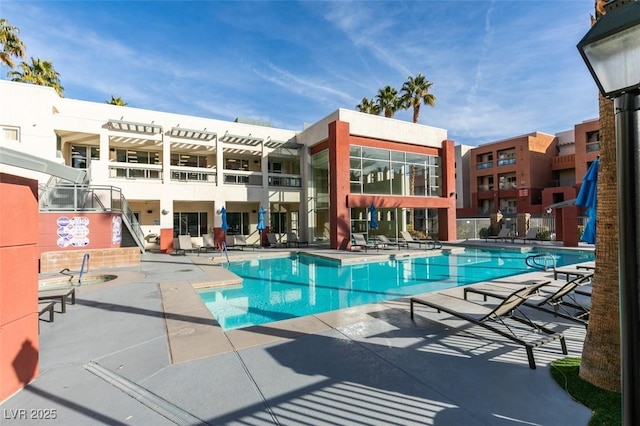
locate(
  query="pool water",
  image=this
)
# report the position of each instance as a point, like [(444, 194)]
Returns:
[(300, 285)]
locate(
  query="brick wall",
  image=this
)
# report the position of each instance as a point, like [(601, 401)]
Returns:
[(54, 261)]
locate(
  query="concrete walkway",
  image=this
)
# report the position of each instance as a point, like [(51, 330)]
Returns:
[(141, 350)]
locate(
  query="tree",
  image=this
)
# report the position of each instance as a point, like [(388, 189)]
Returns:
[(10, 44), (415, 92), (40, 73), (368, 106), (600, 364), (116, 101), (388, 101)]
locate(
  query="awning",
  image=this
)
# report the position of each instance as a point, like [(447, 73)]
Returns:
[(562, 204)]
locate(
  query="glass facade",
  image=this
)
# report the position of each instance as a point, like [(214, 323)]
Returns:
[(385, 172), (319, 191)]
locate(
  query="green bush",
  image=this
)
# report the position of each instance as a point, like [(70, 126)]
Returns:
[(483, 233), (544, 234)]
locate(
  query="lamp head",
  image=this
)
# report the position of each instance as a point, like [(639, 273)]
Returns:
[(611, 48)]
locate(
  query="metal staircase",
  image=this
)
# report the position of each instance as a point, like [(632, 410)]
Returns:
[(62, 196)]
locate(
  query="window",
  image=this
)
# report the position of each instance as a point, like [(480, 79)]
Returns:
[(187, 160), (275, 167), (194, 224), (140, 157), (82, 155), (11, 134), (236, 164), (278, 223), (238, 223)]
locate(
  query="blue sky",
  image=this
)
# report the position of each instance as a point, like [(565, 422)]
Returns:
[(499, 68)]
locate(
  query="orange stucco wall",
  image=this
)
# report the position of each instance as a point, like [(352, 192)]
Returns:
[(19, 342), (79, 231)]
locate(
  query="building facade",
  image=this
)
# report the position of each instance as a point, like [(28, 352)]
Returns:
[(177, 171)]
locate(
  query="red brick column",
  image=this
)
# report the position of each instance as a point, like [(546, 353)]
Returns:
[(339, 212)]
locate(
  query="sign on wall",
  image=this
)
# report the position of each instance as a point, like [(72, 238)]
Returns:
[(73, 232), (116, 230)]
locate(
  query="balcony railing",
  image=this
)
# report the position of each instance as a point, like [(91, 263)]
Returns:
[(135, 171), (242, 178), (485, 165), (485, 187), (288, 181), (193, 174), (508, 185), (593, 146), (506, 161)]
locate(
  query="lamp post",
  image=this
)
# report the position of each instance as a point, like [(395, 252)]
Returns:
[(611, 50)]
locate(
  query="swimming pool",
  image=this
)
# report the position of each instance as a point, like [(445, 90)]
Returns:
[(281, 288)]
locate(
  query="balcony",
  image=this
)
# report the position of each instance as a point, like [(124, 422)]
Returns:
[(563, 162), (485, 165), (193, 174), (507, 185), (242, 178), (593, 146), (506, 161), (485, 187), (135, 171), (286, 181)]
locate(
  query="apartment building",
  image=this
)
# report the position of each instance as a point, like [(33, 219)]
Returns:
[(175, 173), (528, 173)]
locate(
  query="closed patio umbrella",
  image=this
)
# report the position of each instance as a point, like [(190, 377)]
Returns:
[(588, 197), (373, 223), (261, 226)]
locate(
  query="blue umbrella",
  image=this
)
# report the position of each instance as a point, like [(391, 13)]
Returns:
[(261, 219), (588, 197), (225, 225), (373, 223)]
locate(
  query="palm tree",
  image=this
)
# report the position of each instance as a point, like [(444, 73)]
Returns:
[(600, 363), (368, 106), (415, 92), (116, 101), (10, 44), (388, 101), (40, 73)]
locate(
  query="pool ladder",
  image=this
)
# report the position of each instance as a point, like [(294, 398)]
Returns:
[(85, 262), (543, 261)]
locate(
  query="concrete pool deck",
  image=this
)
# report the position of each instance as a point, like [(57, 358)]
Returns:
[(143, 349)]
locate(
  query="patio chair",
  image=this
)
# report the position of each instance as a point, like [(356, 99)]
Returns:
[(60, 294), (207, 243), (292, 238), (532, 235), (388, 243), (185, 245), (428, 244), (240, 242), (504, 234), (500, 319), (46, 306), (273, 241), (359, 240), (557, 298)]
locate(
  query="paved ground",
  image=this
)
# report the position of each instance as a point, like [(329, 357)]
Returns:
[(142, 350)]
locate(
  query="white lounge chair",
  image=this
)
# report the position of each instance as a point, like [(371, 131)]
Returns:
[(292, 238), (359, 240)]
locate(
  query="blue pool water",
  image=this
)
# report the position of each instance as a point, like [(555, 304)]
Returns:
[(282, 288)]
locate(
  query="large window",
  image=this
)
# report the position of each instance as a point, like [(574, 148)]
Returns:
[(194, 224), (278, 222), (82, 155), (188, 160), (319, 205), (238, 223), (140, 157), (380, 171)]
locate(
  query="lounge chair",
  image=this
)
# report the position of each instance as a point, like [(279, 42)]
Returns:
[(495, 317), (240, 242), (273, 241), (60, 294), (185, 245), (388, 243), (207, 243), (428, 244), (532, 235), (359, 240), (551, 297), (504, 235), (292, 238)]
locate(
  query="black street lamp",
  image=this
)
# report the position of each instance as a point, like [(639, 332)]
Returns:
[(611, 50)]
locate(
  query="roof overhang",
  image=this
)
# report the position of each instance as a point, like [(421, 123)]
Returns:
[(31, 162), (131, 127)]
